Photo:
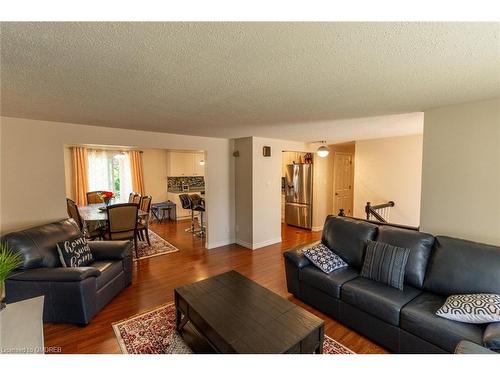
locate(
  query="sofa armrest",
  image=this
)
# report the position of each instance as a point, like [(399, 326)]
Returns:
[(295, 254), (110, 250), (491, 336), (467, 347), (56, 274)]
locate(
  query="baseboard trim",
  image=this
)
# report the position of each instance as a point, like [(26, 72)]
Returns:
[(248, 245), (255, 246), (213, 245), (317, 229)]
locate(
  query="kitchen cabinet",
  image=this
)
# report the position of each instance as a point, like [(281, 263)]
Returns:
[(182, 164)]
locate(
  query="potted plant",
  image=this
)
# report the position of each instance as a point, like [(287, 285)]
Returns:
[(9, 261), (106, 197)]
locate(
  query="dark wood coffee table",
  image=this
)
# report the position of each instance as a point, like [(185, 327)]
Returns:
[(236, 315)]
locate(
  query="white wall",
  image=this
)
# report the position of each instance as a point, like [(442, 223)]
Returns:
[(243, 192), (389, 169), (32, 170), (154, 165), (322, 189), (461, 171), (258, 196)]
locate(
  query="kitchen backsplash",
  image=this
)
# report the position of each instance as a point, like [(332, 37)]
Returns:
[(175, 183)]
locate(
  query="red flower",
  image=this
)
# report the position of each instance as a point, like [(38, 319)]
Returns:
[(106, 195)]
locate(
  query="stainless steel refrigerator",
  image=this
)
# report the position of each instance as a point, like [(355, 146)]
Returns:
[(298, 195)]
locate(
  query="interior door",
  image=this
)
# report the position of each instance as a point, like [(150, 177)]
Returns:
[(343, 172)]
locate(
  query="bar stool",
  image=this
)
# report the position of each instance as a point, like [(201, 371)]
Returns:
[(187, 204), (198, 204)]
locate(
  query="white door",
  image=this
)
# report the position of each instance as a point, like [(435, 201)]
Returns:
[(343, 180)]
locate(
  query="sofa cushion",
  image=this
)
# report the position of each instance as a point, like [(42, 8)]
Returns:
[(463, 267), (419, 318), (329, 283), (377, 299), (109, 270), (491, 336), (347, 238), (420, 245), (385, 263), (323, 258)]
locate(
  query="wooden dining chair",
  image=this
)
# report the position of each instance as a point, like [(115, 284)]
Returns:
[(131, 197), (137, 198), (143, 226), (93, 197), (74, 214), (122, 223)]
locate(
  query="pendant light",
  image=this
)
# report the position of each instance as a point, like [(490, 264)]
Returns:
[(323, 150)]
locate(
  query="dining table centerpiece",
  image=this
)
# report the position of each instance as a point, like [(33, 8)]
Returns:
[(106, 197), (9, 261)]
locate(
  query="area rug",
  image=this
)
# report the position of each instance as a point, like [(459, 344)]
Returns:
[(153, 332), (159, 246)]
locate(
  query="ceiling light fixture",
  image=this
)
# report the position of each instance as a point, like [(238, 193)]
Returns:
[(323, 150)]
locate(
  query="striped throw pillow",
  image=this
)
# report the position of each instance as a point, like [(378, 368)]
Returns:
[(385, 263)]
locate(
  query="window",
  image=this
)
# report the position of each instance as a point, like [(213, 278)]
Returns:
[(110, 171)]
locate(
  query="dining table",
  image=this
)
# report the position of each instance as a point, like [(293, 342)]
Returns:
[(94, 214)]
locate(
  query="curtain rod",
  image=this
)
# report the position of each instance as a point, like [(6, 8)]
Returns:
[(107, 149)]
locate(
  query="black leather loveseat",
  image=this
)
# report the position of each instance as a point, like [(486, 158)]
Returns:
[(72, 295), (402, 321)]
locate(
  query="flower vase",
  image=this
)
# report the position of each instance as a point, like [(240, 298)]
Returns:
[(2, 295), (107, 200)]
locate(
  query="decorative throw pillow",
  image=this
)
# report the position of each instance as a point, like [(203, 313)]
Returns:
[(75, 252), (385, 263), (471, 308), (323, 258)]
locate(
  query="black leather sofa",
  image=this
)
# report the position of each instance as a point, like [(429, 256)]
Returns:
[(72, 295), (402, 321)]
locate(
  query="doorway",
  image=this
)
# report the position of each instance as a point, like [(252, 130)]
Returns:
[(343, 179)]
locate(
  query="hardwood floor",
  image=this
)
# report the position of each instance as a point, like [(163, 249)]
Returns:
[(154, 280)]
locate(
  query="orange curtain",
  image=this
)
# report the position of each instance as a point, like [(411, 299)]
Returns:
[(136, 169), (80, 184)]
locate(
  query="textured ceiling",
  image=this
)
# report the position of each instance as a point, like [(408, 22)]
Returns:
[(284, 80)]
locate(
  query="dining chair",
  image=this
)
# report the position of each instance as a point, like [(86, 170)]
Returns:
[(134, 198), (93, 197), (143, 225), (122, 223), (74, 214)]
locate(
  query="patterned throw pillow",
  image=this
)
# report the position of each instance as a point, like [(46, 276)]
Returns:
[(385, 263), (323, 258), (471, 308), (75, 252)]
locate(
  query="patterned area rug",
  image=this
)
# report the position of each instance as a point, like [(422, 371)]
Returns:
[(153, 332), (158, 247)]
